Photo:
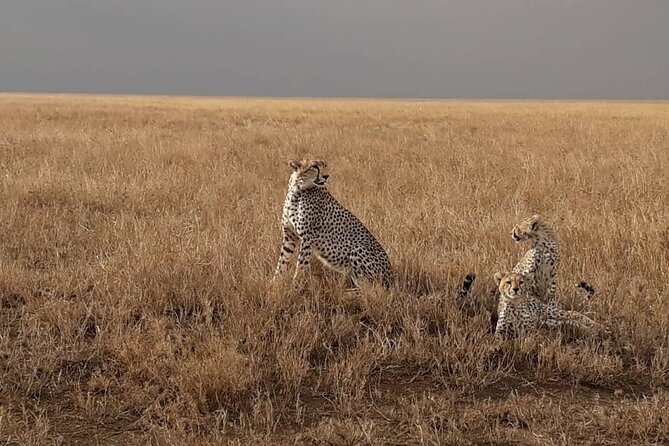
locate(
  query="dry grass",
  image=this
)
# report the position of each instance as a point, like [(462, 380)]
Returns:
[(138, 236)]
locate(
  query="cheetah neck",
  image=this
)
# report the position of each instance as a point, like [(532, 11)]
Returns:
[(545, 242), (292, 198), (545, 237), (295, 192)]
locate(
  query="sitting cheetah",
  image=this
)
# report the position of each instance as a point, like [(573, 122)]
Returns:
[(542, 258), (316, 221), (520, 311)]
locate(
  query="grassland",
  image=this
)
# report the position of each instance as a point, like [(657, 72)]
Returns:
[(139, 234)]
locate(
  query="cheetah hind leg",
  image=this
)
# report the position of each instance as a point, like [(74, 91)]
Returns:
[(331, 264), (568, 318), (358, 271), (361, 271), (356, 277)]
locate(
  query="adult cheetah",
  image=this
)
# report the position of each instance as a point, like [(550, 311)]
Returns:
[(521, 311), (313, 219)]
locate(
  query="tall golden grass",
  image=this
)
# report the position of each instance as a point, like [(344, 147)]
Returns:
[(139, 235)]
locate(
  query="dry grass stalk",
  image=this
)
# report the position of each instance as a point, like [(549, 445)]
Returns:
[(139, 235)]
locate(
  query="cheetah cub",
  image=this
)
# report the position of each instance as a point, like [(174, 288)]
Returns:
[(542, 258), (520, 311), (313, 219)]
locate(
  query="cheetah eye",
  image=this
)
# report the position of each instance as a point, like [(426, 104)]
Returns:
[(508, 282), (521, 282)]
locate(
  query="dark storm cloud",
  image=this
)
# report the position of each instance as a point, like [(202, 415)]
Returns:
[(392, 48)]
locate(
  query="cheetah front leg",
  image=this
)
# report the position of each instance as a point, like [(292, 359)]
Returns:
[(506, 328), (287, 252), (551, 289), (501, 328), (303, 260)]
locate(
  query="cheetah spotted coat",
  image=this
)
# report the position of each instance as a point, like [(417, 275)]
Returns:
[(313, 219), (521, 312)]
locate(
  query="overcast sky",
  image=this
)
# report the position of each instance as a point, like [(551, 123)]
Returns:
[(360, 48)]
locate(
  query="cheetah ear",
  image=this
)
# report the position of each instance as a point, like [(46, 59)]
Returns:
[(535, 221), (498, 278), (295, 164)]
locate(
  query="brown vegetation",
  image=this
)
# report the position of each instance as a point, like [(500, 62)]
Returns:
[(139, 234)]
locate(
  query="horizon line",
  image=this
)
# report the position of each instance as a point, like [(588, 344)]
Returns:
[(326, 98)]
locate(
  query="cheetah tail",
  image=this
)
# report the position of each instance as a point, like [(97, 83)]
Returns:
[(466, 286), (589, 289)]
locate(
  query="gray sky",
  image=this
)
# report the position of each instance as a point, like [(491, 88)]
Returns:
[(367, 48)]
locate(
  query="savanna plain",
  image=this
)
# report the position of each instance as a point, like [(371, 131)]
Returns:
[(139, 236)]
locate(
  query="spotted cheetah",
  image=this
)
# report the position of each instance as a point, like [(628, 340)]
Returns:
[(542, 258), (520, 311), (322, 227)]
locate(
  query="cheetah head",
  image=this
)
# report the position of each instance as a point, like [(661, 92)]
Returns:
[(309, 173), (531, 228), (513, 286)]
